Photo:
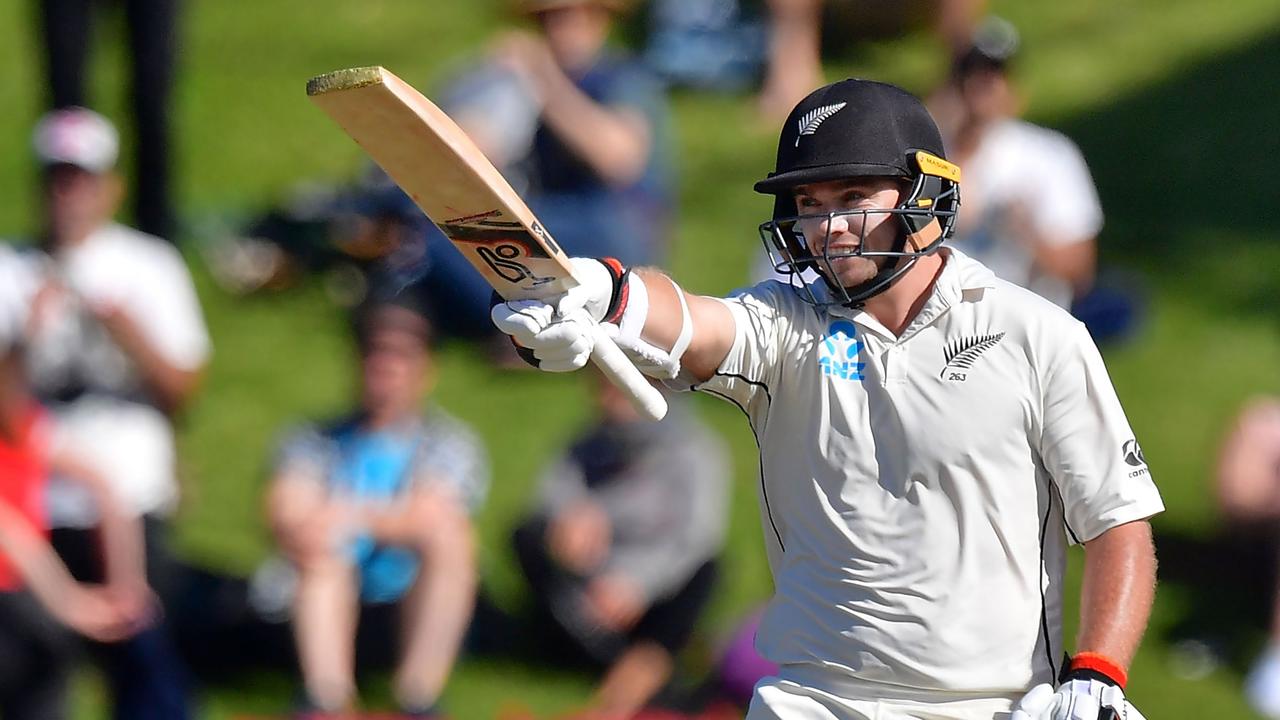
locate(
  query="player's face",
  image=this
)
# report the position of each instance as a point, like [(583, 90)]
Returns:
[(395, 364), (837, 234), (575, 33), (76, 199)]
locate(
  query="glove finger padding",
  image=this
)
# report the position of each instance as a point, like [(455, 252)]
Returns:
[(566, 344), (1034, 704), (523, 320), (558, 344)]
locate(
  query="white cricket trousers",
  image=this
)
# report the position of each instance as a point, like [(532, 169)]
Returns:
[(798, 698)]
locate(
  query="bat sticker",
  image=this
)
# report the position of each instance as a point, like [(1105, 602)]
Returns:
[(545, 237), (502, 260), (470, 219), (490, 233)]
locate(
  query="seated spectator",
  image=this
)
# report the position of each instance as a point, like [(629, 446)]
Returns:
[(1248, 491), (39, 600), (621, 550), (117, 349), (373, 509), (1031, 212)]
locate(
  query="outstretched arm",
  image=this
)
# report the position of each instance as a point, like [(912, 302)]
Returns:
[(713, 324), (663, 329)]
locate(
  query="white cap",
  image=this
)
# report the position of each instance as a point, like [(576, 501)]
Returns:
[(76, 136)]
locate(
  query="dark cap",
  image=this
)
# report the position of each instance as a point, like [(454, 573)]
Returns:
[(399, 309), (852, 128), (994, 45)]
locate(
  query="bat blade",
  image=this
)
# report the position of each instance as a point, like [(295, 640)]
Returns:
[(445, 174)]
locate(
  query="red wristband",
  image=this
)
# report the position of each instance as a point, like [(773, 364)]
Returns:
[(621, 290), (1100, 664)]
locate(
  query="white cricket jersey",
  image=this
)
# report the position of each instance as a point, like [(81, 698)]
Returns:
[(918, 492)]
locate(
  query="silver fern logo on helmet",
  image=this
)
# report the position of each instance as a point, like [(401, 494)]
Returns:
[(815, 117)]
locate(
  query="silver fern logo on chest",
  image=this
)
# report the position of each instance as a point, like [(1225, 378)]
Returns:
[(962, 353), (811, 120)]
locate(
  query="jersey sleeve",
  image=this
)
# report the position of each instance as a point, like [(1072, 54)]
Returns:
[(1067, 209), (452, 454), (304, 453), (748, 372), (1087, 446), (175, 324)]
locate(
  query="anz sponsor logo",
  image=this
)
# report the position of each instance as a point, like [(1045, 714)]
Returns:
[(838, 353)]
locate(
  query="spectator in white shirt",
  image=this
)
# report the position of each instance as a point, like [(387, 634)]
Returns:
[(118, 347), (1032, 213)]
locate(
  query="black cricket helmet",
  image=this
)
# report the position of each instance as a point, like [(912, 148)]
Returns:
[(851, 129)]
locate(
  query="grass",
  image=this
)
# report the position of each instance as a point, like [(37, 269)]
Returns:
[(1171, 100)]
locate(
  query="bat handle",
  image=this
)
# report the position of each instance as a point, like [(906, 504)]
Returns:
[(616, 366)]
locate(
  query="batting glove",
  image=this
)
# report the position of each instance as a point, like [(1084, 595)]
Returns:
[(1092, 689), (557, 335), (545, 339)]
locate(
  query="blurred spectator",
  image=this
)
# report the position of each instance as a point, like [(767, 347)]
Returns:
[(705, 44), (1030, 209), (117, 349), (66, 30), (373, 511), (353, 235), (38, 598), (582, 132), (621, 550), (795, 37), (1248, 491)]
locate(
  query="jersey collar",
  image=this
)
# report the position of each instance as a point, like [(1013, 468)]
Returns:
[(963, 279)]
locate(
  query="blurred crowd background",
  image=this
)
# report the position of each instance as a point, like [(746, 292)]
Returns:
[(261, 454)]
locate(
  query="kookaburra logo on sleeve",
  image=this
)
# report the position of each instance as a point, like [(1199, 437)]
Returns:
[(961, 353), (815, 117), (1133, 453)]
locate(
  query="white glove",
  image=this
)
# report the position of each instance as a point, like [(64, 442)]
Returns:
[(560, 330), (593, 292), (560, 343), (1075, 700)]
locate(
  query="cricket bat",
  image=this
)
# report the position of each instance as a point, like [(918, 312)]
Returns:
[(441, 169)]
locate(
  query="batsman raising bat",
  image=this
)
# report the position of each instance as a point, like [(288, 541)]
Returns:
[(932, 438)]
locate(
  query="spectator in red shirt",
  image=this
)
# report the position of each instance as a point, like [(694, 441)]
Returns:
[(39, 600)]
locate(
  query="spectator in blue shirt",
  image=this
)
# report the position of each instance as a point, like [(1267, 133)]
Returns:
[(374, 508)]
